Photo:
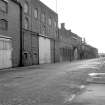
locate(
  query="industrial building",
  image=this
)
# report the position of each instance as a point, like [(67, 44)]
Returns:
[(29, 35), (10, 29), (40, 33), (69, 44)]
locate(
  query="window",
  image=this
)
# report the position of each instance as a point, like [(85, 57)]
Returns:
[(49, 21), (1, 44), (5, 44), (3, 24), (26, 8), (36, 13), (43, 17), (55, 24), (3, 6), (26, 23), (56, 34), (61, 37), (25, 55)]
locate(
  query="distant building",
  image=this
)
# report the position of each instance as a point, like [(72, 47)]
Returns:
[(69, 44), (101, 55), (88, 51)]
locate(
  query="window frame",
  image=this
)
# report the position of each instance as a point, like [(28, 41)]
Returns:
[(43, 18), (26, 20), (55, 24), (26, 7), (50, 21), (36, 12)]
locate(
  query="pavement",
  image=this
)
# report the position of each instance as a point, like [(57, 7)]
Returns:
[(53, 84)]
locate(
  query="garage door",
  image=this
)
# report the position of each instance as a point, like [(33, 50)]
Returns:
[(5, 53), (44, 50)]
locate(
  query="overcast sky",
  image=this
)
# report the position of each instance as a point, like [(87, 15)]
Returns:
[(84, 17)]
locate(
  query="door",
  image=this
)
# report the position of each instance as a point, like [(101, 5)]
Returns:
[(26, 50), (34, 49), (44, 50), (5, 53), (75, 54)]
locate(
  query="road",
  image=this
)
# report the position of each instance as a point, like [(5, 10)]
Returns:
[(47, 84)]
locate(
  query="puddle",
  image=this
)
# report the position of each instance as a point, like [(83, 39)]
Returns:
[(11, 85), (96, 78), (97, 74), (94, 94), (70, 98), (82, 86)]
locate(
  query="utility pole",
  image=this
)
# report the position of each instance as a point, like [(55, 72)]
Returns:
[(56, 6)]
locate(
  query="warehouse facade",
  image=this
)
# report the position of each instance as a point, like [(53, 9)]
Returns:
[(10, 26), (69, 44), (29, 35), (40, 33)]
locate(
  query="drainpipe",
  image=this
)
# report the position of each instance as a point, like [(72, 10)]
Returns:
[(21, 11)]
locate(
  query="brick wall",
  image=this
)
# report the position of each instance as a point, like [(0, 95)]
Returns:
[(13, 29)]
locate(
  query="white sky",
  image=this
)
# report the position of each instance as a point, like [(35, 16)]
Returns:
[(84, 17)]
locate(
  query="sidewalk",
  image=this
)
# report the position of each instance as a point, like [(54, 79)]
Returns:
[(94, 93), (39, 66)]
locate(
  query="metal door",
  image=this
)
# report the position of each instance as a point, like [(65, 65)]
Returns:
[(5, 53), (44, 50), (26, 58), (34, 49)]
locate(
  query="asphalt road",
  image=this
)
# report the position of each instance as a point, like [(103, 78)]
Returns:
[(48, 84)]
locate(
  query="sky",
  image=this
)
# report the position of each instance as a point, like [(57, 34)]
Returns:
[(84, 17)]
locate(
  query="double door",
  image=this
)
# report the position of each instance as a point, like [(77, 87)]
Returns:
[(30, 48)]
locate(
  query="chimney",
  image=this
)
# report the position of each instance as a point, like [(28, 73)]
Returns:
[(62, 25)]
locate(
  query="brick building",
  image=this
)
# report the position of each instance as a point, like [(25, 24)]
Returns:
[(10, 26), (69, 44), (29, 35), (40, 33), (88, 51)]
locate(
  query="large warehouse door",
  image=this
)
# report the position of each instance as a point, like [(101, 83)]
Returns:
[(44, 50), (5, 53)]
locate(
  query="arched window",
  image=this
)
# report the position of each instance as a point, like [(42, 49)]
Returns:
[(26, 7), (55, 24), (36, 13), (50, 21), (26, 23), (43, 17)]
